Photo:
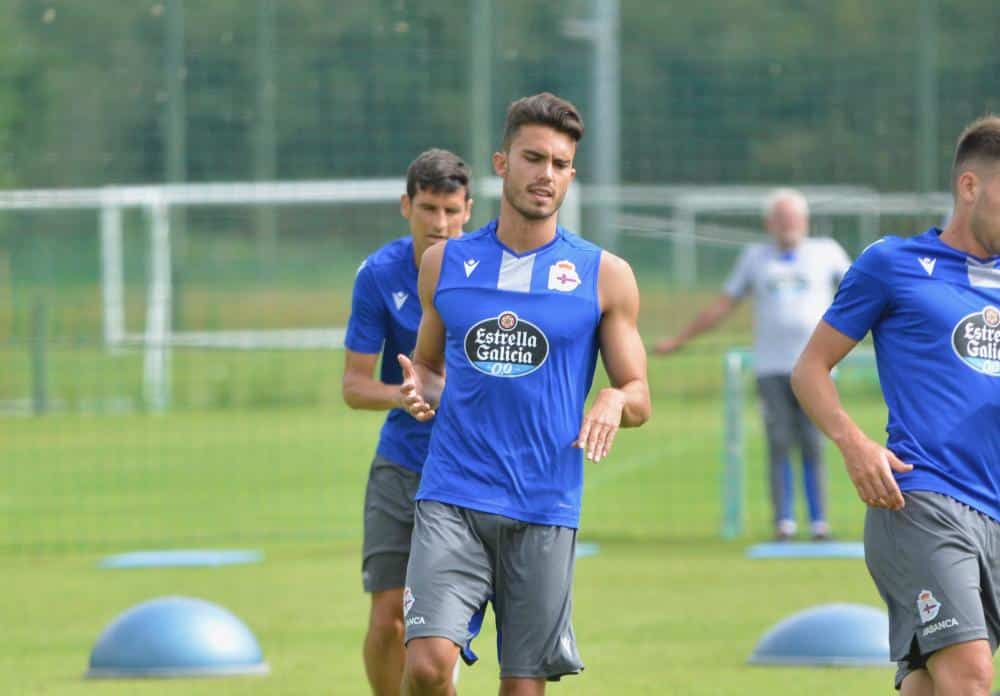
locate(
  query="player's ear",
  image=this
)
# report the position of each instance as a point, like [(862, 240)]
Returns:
[(468, 210), (500, 163), (404, 206), (967, 186)]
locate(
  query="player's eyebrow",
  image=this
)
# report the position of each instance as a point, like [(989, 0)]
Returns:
[(562, 162)]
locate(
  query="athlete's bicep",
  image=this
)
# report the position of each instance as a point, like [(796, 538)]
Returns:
[(429, 350), (366, 327), (827, 346), (865, 294), (359, 365), (622, 351)]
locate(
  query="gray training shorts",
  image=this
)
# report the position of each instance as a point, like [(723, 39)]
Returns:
[(462, 558), (936, 565), (388, 525)]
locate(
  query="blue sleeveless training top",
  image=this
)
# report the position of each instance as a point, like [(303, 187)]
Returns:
[(520, 352)]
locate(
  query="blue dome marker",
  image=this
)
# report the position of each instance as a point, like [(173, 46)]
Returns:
[(841, 635), (175, 637), (181, 558), (807, 549)]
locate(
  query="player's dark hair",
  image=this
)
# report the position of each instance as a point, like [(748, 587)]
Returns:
[(437, 171), (543, 109), (979, 141)]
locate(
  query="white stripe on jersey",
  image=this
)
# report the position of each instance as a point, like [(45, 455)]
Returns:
[(982, 275), (515, 272)]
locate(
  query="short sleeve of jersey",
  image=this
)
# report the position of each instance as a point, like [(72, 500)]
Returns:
[(738, 283), (366, 329), (862, 298)]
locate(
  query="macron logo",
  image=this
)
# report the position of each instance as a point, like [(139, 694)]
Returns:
[(928, 264), (470, 266), (400, 299)]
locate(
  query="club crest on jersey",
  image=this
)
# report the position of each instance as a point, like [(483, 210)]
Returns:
[(976, 340), (506, 346), (563, 276), (407, 601), (927, 606)]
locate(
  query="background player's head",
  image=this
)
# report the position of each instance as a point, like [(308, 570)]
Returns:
[(437, 202), (536, 159), (976, 184), (786, 216)]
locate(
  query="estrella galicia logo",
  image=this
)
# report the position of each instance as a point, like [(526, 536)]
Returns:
[(506, 346), (976, 340)]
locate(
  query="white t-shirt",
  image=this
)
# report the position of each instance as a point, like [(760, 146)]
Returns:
[(791, 290)]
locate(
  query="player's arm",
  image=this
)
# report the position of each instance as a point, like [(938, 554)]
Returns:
[(626, 403), (737, 285), (361, 389), (868, 464), (423, 377), (706, 320), (366, 335)]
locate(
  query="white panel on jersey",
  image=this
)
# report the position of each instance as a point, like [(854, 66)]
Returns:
[(515, 272), (982, 275)]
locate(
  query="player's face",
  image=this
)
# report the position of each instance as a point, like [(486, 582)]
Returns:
[(787, 223), (435, 217), (985, 215), (536, 170)]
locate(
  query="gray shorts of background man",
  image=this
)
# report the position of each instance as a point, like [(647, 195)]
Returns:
[(385, 314), (791, 279)]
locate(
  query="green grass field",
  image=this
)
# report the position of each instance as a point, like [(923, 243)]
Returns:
[(666, 607)]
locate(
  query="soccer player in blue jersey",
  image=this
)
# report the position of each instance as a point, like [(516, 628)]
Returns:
[(385, 314), (932, 527), (517, 313)]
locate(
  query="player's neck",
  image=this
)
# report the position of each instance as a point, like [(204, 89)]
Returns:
[(958, 235), (521, 234)]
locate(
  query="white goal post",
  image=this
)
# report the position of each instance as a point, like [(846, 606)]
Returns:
[(678, 219), (158, 337)]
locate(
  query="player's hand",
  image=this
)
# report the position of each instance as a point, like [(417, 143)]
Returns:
[(411, 393), (666, 346), (870, 467), (600, 425)]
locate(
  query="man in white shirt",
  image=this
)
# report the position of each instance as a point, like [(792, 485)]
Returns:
[(792, 279)]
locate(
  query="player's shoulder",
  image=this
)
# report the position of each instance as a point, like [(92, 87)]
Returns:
[(614, 269), (397, 251), (894, 259), (882, 249), (433, 255), (468, 245), (578, 243), (467, 239), (389, 260)]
